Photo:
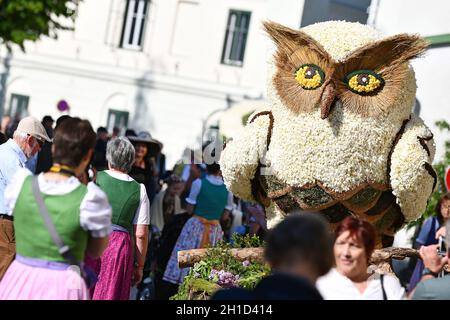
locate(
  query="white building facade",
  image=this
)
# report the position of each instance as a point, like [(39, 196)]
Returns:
[(162, 66), (171, 66)]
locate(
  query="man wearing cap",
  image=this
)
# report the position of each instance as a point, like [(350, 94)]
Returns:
[(26, 142)]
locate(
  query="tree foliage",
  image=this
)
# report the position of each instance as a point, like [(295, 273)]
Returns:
[(22, 20)]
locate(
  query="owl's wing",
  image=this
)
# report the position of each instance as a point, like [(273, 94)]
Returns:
[(413, 179), (241, 157)]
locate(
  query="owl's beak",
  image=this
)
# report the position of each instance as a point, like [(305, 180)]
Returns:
[(329, 94)]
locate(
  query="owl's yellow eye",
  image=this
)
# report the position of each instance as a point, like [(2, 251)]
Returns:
[(309, 76), (364, 82)]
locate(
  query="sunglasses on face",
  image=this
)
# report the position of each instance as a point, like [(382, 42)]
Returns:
[(39, 141)]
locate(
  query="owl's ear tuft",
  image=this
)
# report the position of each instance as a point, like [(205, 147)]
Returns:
[(404, 47), (289, 40), (386, 54), (283, 37)]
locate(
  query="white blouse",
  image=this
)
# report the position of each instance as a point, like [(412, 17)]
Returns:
[(197, 185), (95, 211), (142, 215), (335, 286)]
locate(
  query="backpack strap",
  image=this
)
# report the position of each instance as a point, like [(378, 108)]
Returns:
[(63, 249)]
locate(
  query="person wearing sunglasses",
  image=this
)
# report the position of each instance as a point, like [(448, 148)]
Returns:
[(15, 154), (31, 164)]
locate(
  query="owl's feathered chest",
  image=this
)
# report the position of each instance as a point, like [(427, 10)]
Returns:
[(341, 152), (339, 167)]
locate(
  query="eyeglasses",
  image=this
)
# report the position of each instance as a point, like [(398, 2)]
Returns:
[(39, 141)]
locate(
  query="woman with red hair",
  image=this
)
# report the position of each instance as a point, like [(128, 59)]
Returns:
[(350, 279)]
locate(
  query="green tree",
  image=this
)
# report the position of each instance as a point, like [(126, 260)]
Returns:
[(440, 168), (22, 20)]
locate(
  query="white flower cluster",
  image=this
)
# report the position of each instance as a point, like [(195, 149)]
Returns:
[(240, 158), (340, 152), (411, 183), (340, 38)]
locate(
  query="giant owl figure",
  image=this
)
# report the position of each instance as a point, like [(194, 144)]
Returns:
[(339, 136)]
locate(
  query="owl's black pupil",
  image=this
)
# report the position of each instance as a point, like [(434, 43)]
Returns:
[(363, 79), (309, 73)]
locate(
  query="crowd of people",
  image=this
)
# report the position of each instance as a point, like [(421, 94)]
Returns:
[(127, 215), (89, 215), (311, 263)]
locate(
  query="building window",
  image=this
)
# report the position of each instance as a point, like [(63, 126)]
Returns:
[(117, 119), (236, 38), (18, 106), (326, 10), (134, 24)]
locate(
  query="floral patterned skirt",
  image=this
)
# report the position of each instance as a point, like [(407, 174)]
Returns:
[(190, 238)]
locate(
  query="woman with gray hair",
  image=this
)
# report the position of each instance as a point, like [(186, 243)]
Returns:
[(130, 217)]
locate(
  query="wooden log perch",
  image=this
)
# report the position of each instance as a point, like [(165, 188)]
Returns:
[(188, 258), (387, 254)]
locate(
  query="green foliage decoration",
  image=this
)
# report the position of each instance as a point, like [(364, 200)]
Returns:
[(203, 280)]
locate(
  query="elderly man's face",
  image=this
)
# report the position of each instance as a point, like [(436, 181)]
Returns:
[(33, 145)]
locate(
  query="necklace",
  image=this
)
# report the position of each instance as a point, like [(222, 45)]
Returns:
[(64, 170)]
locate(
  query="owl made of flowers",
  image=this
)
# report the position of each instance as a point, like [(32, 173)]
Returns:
[(339, 136)]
